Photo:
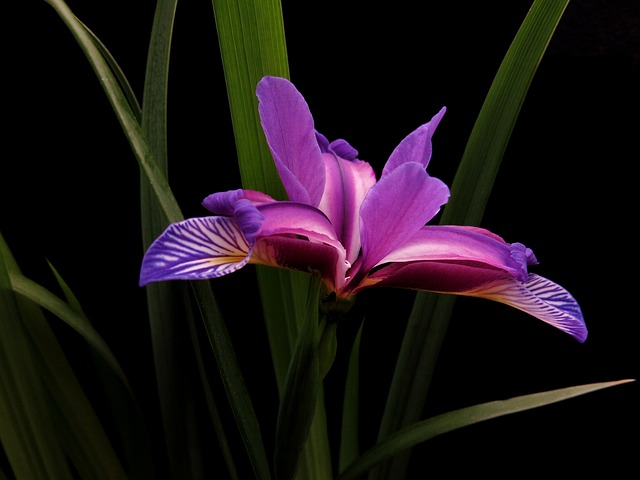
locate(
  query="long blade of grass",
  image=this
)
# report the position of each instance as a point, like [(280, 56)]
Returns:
[(252, 45), (167, 303), (47, 300), (447, 422), (125, 413), (349, 444), (124, 113), (469, 194), (24, 431), (232, 379), (301, 392), (229, 369), (46, 418)]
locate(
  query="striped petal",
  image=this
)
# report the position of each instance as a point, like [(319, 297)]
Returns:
[(196, 249), (537, 296), (541, 298)]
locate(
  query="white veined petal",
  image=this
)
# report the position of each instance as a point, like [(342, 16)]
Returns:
[(195, 249), (541, 298)]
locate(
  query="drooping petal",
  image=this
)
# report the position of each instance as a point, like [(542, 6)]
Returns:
[(288, 127), (196, 249), (396, 208), (463, 244), (415, 147), (536, 296), (313, 230), (541, 298), (300, 254), (347, 184)]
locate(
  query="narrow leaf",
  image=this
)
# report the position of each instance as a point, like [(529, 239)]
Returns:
[(469, 194), (300, 394), (252, 45), (349, 445), (47, 300), (447, 422), (232, 379), (46, 411), (171, 212)]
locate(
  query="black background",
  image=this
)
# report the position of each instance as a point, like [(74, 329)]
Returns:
[(566, 188)]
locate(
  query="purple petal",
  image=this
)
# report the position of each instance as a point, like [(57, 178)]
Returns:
[(302, 255), (537, 296), (543, 299), (233, 203), (396, 208), (288, 127), (346, 187), (416, 147), (459, 244), (225, 203), (196, 249), (312, 229), (342, 148)]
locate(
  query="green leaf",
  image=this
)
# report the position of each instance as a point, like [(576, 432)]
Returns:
[(252, 45), (469, 194), (301, 392), (232, 379), (47, 423), (168, 206), (124, 112), (349, 445), (168, 304), (77, 321), (447, 422)]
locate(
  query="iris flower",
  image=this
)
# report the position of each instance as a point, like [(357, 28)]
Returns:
[(352, 230)]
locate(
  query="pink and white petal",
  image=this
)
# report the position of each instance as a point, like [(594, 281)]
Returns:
[(347, 184), (458, 244), (196, 249), (396, 208), (290, 219)]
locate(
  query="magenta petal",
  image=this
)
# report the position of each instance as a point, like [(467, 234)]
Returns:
[(415, 147), (460, 244), (288, 127), (196, 249), (300, 254), (309, 225), (396, 208)]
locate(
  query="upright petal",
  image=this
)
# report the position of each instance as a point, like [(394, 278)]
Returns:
[(347, 184), (396, 208), (288, 127), (196, 249), (415, 147)]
